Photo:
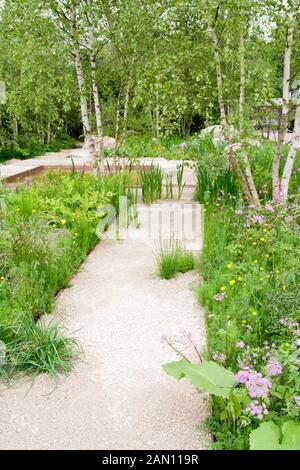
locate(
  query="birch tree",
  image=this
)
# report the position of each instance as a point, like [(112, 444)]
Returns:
[(67, 14), (93, 67), (295, 145), (246, 182), (285, 107)]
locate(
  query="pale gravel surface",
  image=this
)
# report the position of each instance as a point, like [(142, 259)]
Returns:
[(118, 397)]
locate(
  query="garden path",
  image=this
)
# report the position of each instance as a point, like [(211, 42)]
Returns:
[(118, 397)]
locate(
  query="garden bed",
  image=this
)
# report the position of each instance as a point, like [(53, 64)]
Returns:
[(47, 229), (250, 266)]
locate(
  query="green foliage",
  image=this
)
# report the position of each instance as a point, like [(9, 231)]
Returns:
[(217, 182), (47, 229), (251, 296), (180, 183), (269, 436), (207, 376), (36, 349), (172, 258), (31, 147), (169, 186), (152, 183)]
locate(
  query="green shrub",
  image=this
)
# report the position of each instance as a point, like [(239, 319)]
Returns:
[(29, 147)]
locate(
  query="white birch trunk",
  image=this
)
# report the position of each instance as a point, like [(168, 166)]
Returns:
[(250, 181), (100, 144), (117, 133), (232, 155), (285, 109), (242, 72), (81, 86), (219, 79), (289, 164), (125, 116), (157, 127)]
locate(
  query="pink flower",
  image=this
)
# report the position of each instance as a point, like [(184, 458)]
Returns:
[(269, 207), (240, 344), (219, 297), (257, 385), (28, 181), (257, 410), (219, 357), (297, 169), (274, 368), (297, 400), (258, 219), (242, 376)]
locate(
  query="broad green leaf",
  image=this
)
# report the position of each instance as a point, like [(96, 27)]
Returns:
[(210, 377), (291, 436), (268, 437), (175, 369)]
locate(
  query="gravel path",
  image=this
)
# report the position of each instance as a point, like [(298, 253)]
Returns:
[(118, 397)]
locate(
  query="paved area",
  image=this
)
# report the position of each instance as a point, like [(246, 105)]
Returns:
[(19, 169)]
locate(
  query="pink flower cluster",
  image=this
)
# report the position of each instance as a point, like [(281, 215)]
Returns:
[(219, 297), (273, 367), (257, 385), (269, 207), (289, 323), (219, 357), (28, 181), (259, 219), (257, 409), (247, 358)]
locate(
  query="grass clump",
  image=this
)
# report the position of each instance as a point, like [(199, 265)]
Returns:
[(172, 258), (36, 349), (152, 183)]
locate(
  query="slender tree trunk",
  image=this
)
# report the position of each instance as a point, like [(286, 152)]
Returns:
[(248, 170), (285, 109), (127, 100), (81, 85), (289, 164), (117, 132), (15, 129), (126, 109), (100, 144), (219, 79), (232, 155), (157, 128), (242, 71), (250, 180), (49, 133)]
